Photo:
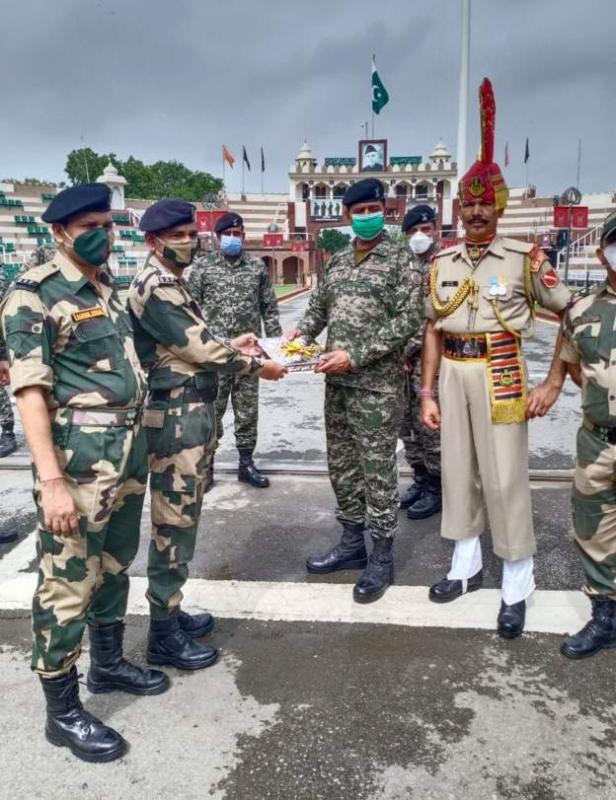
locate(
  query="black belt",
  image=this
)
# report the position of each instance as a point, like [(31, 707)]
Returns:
[(191, 394), (605, 433), (462, 347)]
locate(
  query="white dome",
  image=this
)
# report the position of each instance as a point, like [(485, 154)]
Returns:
[(440, 152), (305, 154)]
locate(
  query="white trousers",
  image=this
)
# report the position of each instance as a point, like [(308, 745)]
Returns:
[(518, 581)]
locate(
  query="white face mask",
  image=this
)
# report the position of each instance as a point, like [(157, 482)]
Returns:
[(420, 242), (610, 253)]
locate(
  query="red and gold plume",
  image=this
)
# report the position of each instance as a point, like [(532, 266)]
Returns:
[(484, 180)]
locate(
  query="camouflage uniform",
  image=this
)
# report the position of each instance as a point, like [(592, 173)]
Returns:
[(181, 358), (7, 417), (236, 296), (371, 313), (590, 341), (422, 447), (74, 340), (41, 255)]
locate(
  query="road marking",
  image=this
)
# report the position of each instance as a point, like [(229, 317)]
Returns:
[(408, 606)]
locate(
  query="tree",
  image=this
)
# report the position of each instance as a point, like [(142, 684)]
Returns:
[(331, 240), (145, 181)]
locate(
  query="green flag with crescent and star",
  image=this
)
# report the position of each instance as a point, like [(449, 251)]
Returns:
[(380, 97)]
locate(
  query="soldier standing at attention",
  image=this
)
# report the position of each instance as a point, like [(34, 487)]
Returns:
[(236, 296), (182, 359), (422, 447), (370, 308), (589, 353), (481, 306), (79, 387)]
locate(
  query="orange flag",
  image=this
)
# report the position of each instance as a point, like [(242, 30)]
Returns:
[(228, 157)]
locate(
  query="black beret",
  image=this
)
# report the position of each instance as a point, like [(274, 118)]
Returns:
[(230, 220), (167, 213), (364, 191), (417, 216), (78, 200)]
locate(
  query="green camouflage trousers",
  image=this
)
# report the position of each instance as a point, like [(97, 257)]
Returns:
[(422, 447), (594, 512), (6, 410), (180, 440), (244, 391), (82, 578), (362, 431)]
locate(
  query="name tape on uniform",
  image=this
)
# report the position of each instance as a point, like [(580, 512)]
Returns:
[(88, 313)]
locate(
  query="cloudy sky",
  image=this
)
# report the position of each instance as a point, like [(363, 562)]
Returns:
[(175, 79)]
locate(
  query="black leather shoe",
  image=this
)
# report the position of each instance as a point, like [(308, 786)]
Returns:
[(196, 625), (414, 491), (430, 502), (445, 590), (110, 671), (378, 575), (169, 644), (70, 725), (7, 538), (248, 473), (598, 634), (349, 553), (511, 620)]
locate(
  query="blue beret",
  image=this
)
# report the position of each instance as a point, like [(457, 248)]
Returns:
[(417, 216), (78, 200), (230, 220), (365, 191), (167, 213)]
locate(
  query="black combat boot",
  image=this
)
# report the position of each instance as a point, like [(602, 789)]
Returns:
[(8, 537), (349, 553), (510, 622), (110, 671), (415, 490), (8, 442), (196, 625), (598, 634), (248, 473), (70, 725), (378, 575), (169, 644), (430, 502)]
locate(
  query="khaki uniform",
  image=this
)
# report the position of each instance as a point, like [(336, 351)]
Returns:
[(73, 339), (482, 386), (590, 341)]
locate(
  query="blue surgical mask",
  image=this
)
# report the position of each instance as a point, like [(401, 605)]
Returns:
[(230, 245)]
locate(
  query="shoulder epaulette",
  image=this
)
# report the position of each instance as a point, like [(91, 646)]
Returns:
[(31, 279), (516, 245), (446, 252)]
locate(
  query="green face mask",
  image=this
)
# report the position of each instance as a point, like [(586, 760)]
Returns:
[(368, 226), (181, 255), (93, 246)]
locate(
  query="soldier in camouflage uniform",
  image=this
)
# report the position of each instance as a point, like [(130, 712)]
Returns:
[(370, 300), (422, 446), (79, 386), (589, 350), (8, 443), (236, 296), (182, 359)]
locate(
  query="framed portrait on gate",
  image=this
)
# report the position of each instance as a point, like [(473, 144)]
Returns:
[(372, 155)]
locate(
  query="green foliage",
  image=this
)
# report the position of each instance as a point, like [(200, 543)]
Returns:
[(331, 240), (145, 181)]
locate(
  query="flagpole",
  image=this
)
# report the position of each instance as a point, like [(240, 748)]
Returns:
[(243, 186), (465, 47)]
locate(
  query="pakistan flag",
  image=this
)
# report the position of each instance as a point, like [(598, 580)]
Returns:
[(380, 97)]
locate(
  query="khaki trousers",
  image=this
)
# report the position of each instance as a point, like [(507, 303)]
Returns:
[(482, 463)]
